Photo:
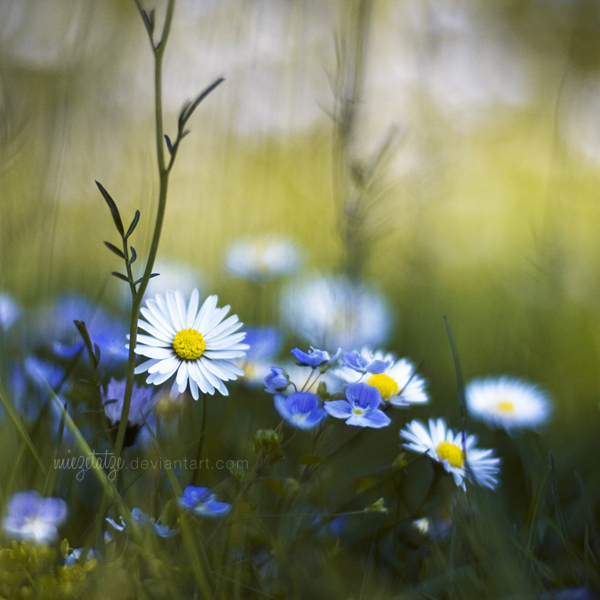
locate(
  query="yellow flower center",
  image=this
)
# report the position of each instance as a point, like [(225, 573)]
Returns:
[(452, 453), (189, 344), (386, 386), (358, 411), (506, 406)]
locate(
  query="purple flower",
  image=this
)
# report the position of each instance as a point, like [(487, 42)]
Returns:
[(142, 403), (360, 407), (264, 342), (31, 517), (201, 502), (276, 381), (300, 409), (314, 358)]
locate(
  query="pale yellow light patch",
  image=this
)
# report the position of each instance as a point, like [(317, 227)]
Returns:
[(189, 344), (452, 453), (506, 406)]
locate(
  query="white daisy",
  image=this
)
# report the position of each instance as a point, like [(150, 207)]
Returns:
[(446, 447), (196, 344), (336, 312), (508, 402), (263, 257), (398, 384)]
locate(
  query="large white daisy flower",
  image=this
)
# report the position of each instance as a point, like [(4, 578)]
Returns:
[(446, 447), (398, 384), (508, 402), (197, 345)]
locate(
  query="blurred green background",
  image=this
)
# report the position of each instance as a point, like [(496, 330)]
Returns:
[(489, 195)]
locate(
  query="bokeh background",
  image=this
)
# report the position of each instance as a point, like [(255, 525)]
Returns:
[(485, 208)]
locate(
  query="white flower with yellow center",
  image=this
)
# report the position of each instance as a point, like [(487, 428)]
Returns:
[(197, 345), (508, 403), (446, 447), (398, 384)]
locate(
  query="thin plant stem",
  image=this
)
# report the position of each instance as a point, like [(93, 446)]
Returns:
[(163, 172)]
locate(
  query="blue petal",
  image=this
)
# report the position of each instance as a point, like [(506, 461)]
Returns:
[(339, 409), (376, 419), (363, 395)]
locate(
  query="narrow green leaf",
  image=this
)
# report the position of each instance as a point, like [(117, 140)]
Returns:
[(133, 255), (188, 110), (113, 208), (121, 276), (114, 249), (169, 145), (16, 419), (140, 279), (133, 225)]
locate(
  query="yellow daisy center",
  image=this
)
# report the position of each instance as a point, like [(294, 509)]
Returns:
[(387, 387), (452, 453), (506, 406), (189, 344)]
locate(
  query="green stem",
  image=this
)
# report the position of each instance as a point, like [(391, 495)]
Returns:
[(159, 50)]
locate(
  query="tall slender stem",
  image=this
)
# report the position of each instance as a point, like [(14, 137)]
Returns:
[(159, 50)]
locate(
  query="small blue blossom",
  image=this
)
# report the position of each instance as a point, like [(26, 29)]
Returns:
[(360, 407), (276, 381), (31, 517), (9, 311), (314, 358), (201, 502), (75, 554), (144, 521), (264, 342), (365, 362), (300, 409)]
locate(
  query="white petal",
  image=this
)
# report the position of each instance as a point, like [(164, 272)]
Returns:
[(193, 386), (166, 313), (203, 382), (192, 310), (152, 352), (152, 341), (205, 313), (172, 304), (181, 309), (169, 364), (143, 367), (182, 376), (224, 354), (216, 318), (155, 315), (222, 327)]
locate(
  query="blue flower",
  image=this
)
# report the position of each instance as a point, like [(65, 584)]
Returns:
[(142, 403), (9, 311), (360, 407), (31, 517), (300, 409), (264, 342), (314, 358), (104, 330), (75, 554), (365, 362), (276, 381), (201, 502), (144, 521)]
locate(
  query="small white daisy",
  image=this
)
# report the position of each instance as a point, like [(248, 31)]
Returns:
[(398, 384), (508, 403), (197, 345), (336, 312), (446, 447), (263, 257)]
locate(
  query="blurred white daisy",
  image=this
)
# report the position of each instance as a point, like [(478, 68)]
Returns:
[(197, 345), (508, 403), (263, 257), (334, 312), (396, 380), (446, 447)]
